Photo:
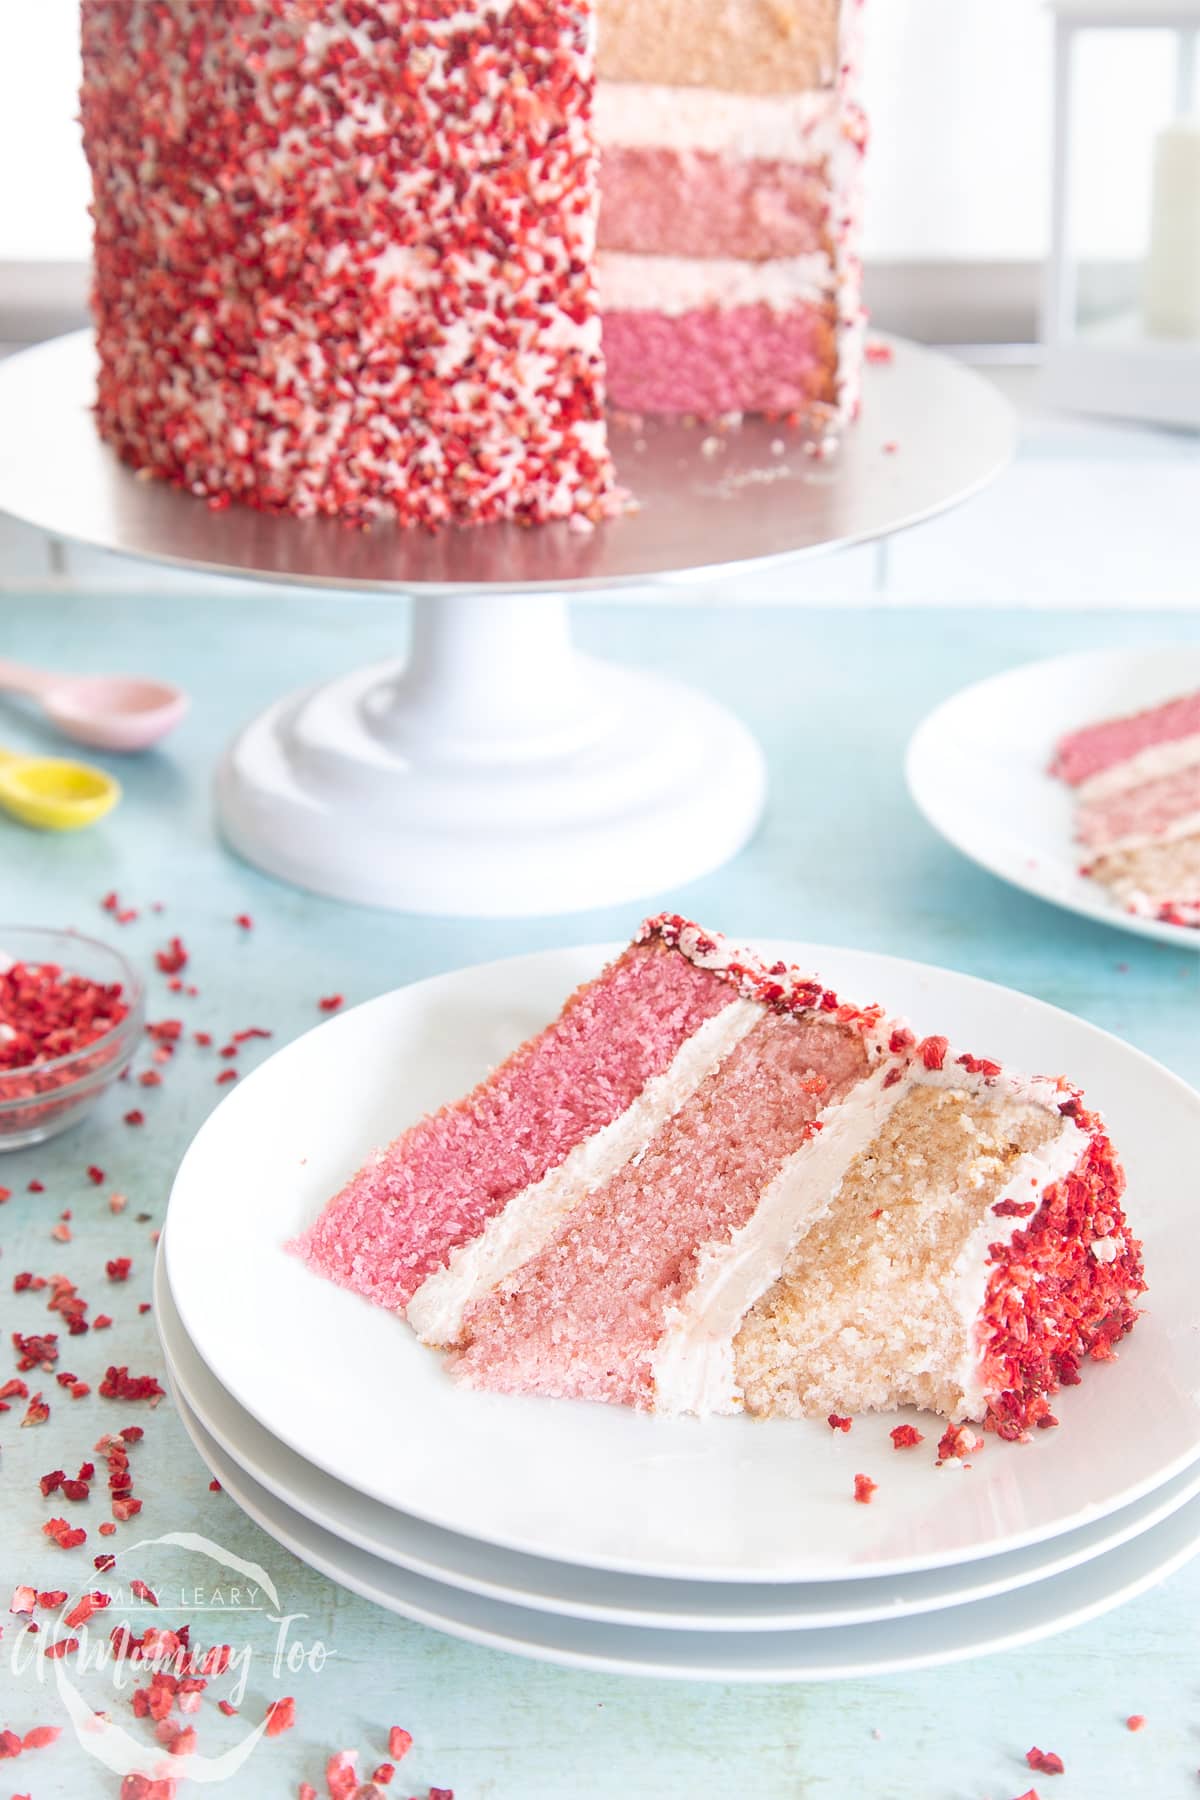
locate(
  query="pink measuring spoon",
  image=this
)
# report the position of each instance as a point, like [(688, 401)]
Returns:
[(110, 712)]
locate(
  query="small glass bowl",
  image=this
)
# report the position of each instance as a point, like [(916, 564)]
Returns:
[(42, 1099)]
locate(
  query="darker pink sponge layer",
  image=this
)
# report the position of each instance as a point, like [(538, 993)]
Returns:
[(439, 1183), (1097, 747), (582, 1317), (718, 360)]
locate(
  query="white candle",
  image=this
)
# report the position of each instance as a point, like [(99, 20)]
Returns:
[(1171, 297)]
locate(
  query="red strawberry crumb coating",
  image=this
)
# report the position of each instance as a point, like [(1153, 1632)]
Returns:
[(343, 254), (1057, 1295), (906, 1437)]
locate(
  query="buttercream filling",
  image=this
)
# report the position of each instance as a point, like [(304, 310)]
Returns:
[(791, 127), (532, 1216)]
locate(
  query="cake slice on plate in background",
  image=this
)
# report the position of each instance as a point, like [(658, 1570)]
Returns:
[(711, 1186), (1137, 785)]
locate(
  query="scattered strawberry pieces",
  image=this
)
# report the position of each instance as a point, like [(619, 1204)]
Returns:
[(40, 1736), (95, 1175), (1135, 1721), (173, 958), (245, 921), (37, 1412), (399, 1743), (956, 1442), (67, 1537), (906, 1437), (118, 1268), (23, 1600), (119, 1384), (836, 1423), (226, 1075), (135, 1116), (330, 1003), (864, 1488), (341, 1774), (281, 1716), (878, 352), (932, 1051), (1044, 1762)]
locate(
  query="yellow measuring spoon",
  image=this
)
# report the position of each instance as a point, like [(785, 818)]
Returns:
[(52, 794)]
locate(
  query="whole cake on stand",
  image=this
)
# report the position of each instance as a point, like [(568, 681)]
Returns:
[(360, 265)]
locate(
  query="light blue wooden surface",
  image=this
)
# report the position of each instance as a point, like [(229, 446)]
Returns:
[(841, 857)]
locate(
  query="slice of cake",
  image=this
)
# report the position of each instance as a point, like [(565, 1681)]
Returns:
[(1137, 783), (712, 1186), (731, 148), (344, 253)]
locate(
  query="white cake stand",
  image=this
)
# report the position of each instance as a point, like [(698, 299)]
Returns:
[(495, 771)]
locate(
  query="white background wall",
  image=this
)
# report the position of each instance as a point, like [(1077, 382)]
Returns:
[(959, 92)]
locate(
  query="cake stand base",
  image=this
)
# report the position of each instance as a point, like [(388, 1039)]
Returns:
[(494, 773)]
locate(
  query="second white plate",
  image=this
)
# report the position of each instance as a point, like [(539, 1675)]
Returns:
[(348, 1387), (977, 768)]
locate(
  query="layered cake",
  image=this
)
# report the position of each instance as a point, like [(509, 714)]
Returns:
[(345, 250), (731, 143), (1137, 786), (712, 1186)]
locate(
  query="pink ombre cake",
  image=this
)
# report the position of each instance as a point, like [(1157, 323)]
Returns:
[(372, 258), (1137, 784), (711, 1186)]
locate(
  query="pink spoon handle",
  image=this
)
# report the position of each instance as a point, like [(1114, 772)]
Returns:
[(18, 678)]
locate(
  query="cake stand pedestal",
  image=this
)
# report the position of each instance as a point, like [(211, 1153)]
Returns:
[(496, 771)]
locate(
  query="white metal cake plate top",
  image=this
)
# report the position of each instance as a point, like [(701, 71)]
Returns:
[(348, 1387), (932, 432), (978, 768)]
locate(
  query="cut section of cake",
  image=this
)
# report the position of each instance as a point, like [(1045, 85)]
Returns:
[(711, 1186), (731, 148), (1137, 783)]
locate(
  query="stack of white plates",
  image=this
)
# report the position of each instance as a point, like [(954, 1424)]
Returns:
[(727, 1549)]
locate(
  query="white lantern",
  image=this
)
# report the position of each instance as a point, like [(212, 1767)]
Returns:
[(1122, 306)]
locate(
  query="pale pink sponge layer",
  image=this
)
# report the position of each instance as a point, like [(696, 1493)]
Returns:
[(1150, 809), (701, 203), (721, 359), (437, 1185), (1098, 747), (591, 1307)]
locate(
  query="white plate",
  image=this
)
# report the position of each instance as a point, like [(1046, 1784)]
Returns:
[(977, 769), (348, 1387), (840, 1653), (602, 1595)]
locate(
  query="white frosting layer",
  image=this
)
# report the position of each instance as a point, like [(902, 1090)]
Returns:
[(681, 284), (782, 127), (531, 1217), (1147, 765), (1185, 826), (693, 1361)]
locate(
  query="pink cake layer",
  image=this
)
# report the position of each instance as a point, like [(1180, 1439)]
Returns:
[(582, 1317), (439, 1183), (1148, 810), (703, 203), (722, 359), (1097, 747)]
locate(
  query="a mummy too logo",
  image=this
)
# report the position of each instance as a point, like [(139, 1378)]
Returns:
[(171, 1674)]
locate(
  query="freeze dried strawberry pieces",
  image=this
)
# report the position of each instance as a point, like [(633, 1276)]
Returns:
[(399, 1743), (932, 1051), (1044, 1762), (117, 1269), (906, 1437), (864, 1489), (836, 1423), (119, 1384), (281, 1716)]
